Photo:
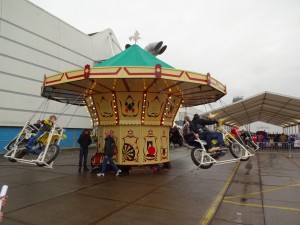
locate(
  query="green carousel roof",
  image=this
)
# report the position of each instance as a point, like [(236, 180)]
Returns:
[(133, 56)]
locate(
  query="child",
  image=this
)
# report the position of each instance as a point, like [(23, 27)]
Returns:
[(46, 126)]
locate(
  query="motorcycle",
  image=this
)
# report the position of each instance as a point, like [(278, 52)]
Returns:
[(248, 142), (204, 159), (46, 147)]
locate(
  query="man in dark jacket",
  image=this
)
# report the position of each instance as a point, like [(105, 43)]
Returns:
[(84, 140), (198, 125), (109, 149)]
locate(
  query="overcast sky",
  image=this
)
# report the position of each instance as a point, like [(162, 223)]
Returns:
[(251, 46)]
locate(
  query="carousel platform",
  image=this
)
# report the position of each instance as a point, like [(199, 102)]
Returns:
[(264, 190)]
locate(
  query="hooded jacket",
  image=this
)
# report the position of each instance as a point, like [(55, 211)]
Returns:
[(84, 140)]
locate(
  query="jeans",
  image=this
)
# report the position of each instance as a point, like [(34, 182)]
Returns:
[(32, 140), (112, 164), (83, 153), (214, 135)]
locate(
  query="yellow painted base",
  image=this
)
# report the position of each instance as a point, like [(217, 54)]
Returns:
[(138, 145)]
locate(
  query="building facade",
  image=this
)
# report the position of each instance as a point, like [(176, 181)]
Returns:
[(34, 43)]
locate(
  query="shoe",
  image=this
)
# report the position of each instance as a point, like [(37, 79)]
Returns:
[(100, 174), (79, 169), (118, 172), (213, 149), (85, 169)]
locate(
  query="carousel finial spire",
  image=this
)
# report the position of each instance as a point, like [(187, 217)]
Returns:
[(135, 37)]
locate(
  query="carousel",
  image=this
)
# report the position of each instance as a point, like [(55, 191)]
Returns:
[(135, 96)]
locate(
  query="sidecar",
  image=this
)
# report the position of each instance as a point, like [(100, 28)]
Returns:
[(46, 147)]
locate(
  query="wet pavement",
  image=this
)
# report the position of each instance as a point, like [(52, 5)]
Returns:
[(264, 190)]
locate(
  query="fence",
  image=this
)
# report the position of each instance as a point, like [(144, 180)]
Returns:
[(278, 147)]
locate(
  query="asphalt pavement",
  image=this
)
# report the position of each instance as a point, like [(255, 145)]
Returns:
[(264, 190)]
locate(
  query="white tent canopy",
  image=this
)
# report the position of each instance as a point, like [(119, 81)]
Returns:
[(271, 108)]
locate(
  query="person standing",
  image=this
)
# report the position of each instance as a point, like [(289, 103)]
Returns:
[(283, 140), (84, 140), (109, 148)]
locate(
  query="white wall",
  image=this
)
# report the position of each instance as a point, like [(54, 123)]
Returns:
[(34, 43)]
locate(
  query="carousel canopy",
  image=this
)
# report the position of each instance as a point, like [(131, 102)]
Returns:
[(133, 56), (133, 70)]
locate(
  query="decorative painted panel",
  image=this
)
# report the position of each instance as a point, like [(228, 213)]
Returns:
[(154, 108), (138, 145), (129, 107)]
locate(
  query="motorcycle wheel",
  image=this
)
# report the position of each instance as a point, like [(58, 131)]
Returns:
[(11, 144), (237, 151), (197, 154), (20, 150), (52, 153)]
